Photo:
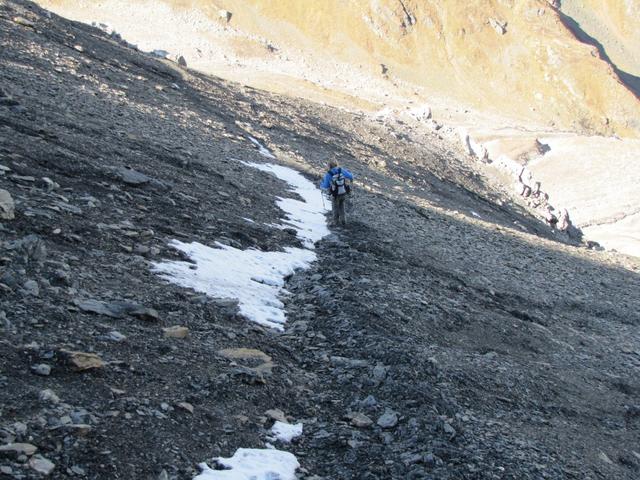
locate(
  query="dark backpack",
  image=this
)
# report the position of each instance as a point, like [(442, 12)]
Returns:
[(339, 185)]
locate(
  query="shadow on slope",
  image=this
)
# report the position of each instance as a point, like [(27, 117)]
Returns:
[(526, 347), (632, 82)]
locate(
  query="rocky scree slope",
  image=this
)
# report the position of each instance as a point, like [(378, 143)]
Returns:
[(444, 334)]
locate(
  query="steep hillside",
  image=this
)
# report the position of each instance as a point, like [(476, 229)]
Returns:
[(614, 26), (513, 58), (495, 75), (444, 334)]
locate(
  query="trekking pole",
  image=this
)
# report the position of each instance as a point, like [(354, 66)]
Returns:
[(322, 196)]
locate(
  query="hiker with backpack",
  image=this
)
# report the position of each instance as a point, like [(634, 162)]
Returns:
[(337, 184)]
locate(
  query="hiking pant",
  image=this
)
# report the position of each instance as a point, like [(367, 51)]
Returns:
[(337, 205)]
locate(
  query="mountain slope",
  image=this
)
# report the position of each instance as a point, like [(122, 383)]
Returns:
[(479, 343), (615, 27), (513, 58)]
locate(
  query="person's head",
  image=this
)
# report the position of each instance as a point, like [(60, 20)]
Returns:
[(332, 164)]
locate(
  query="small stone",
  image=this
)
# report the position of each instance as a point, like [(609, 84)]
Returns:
[(369, 402), (42, 465), (31, 287), (18, 449), (244, 354), (7, 207), (65, 420), (81, 361), (276, 414), (79, 429), (449, 430), (225, 15), (23, 21), (186, 406), (141, 249), (379, 373), (41, 369), (180, 60), (49, 396), (48, 184), (19, 428), (132, 177), (360, 420), (146, 314), (175, 331), (498, 25), (115, 336), (605, 458), (388, 419), (78, 470), (78, 48)]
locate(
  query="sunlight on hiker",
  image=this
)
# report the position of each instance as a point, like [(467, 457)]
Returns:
[(337, 185)]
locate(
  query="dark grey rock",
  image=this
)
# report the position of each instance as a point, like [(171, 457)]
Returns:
[(388, 419), (41, 369), (132, 177), (118, 309)]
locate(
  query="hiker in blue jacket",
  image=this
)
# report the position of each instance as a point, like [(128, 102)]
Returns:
[(337, 184)]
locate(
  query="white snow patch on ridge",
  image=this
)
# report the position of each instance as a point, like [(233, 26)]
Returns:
[(254, 277), (286, 432), (253, 464)]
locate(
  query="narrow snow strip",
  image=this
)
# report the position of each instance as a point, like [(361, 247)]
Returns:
[(264, 151), (254, 277), (253, 464), (306, 216), (286, 432)]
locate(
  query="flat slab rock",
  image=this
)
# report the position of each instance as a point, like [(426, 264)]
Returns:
[(81, 361), (118, 309), (18, 449), (360, 420), (244, 354)]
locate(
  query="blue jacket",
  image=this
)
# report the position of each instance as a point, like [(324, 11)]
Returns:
[(326, 181)]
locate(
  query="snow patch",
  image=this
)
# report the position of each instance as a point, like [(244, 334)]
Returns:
[(264, 151), (307, 216), (286, 432), (253, 464), (254, 277)]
